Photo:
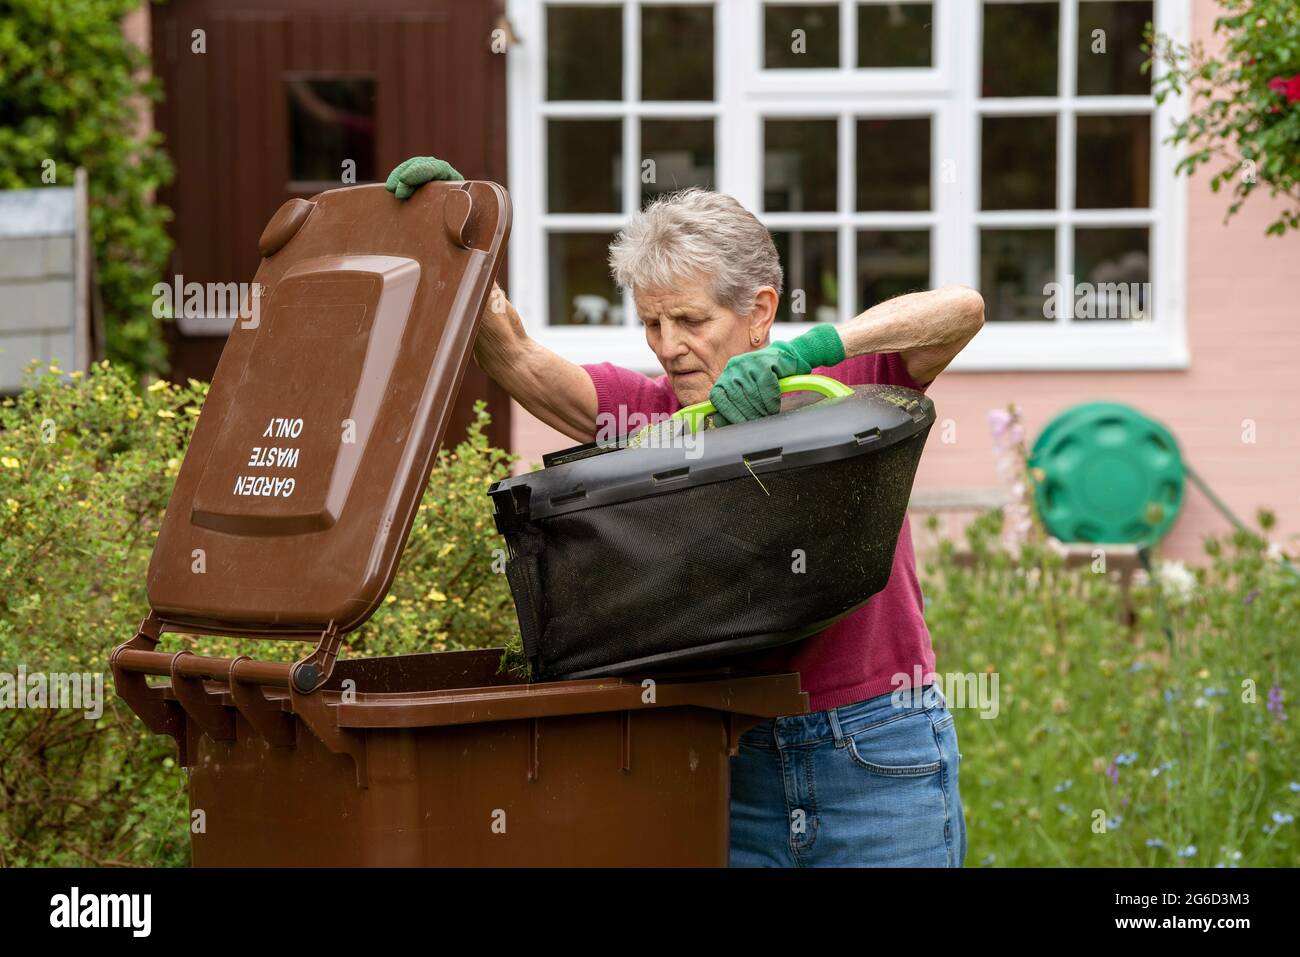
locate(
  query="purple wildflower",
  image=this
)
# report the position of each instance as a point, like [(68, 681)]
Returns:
[(999, 420), (1275, 707)]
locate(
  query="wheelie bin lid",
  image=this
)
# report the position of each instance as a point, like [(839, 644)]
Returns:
[(314, 444)]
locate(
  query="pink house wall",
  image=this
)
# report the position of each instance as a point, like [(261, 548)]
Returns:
[(1243, 322)]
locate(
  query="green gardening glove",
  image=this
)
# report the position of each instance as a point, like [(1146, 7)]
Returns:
[(749, 387), (415, 172)]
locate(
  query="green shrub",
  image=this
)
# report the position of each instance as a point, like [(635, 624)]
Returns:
[(1171, 732), (70, 90), (1244, 103), (86, 468)]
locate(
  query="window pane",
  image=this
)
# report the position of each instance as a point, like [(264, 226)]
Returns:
[(893, 164), (1121, 146), (1016, 265), (891, 263), (1112, 272), (584, 53), (330, 121), (895, 34), (1020, 49), (798, 36), (582, 291), (1110, 62), (811, 280), (1018, 162), (675, 154), (676, 53), (584, 166), (800, 160)]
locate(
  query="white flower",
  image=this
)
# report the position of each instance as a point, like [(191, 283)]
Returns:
[(1176, 581)]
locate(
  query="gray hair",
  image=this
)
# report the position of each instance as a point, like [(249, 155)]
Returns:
[(697, 232)]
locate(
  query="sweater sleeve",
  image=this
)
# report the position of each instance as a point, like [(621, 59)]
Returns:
[(622, 393), (886, 368)]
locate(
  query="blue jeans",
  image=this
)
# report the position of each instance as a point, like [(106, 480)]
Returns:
[(869, 784)]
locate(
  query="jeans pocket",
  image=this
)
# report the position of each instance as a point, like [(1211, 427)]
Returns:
[(903, 747)]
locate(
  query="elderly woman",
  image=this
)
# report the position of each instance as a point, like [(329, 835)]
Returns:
[(864, 779)]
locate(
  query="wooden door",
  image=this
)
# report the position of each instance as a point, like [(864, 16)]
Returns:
[(274, 96)]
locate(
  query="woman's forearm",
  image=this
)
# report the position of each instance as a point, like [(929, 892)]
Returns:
[(920, 320), (548, 386), (926, 329)]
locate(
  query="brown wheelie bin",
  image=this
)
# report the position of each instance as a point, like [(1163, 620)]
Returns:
[(287, 521)]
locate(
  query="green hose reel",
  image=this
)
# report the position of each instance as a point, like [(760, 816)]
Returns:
[(1109, 474)]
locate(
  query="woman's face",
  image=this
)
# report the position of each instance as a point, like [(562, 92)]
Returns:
[(693, 336)]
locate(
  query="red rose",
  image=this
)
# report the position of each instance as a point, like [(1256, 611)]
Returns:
[(1287, 86)]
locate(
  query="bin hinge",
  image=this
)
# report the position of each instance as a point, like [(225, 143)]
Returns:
[(160, 714), (322, 719), (309, 675), (265, 717), (205, 707), (313, 671)]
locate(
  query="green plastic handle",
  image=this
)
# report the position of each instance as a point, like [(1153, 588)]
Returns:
[(821, 384)]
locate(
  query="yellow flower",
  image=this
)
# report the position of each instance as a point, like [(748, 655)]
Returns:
[(158, 385), (166, 414), (435, 595), (446, 549), (13, 504), (10, 462)]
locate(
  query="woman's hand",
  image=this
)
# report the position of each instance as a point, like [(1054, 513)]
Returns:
[(750, 388), (415, 172), (749, 385)]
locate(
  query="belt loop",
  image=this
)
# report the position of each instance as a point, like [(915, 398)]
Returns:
[(833, 715)]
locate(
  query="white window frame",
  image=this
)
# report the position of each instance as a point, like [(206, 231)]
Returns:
[(745, 94)]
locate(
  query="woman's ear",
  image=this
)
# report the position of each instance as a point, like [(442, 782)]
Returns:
[(763, 314)]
